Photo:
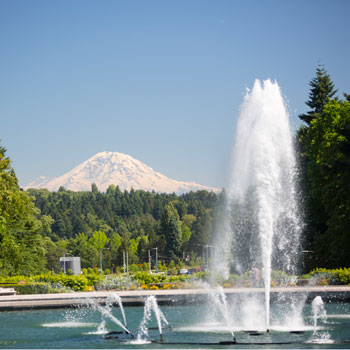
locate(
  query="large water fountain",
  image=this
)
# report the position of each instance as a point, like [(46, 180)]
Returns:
[(262, 224)]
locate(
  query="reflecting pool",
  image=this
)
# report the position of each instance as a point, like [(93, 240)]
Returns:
[(190, 326)]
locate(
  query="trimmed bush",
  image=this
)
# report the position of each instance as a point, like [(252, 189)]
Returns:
[(76, 283)]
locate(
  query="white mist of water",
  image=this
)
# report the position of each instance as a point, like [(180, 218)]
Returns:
[(319, 314), (264, 171), (219, 299), (318, 311), (115, 297), (101, 329), (151, 305), (106, 312)]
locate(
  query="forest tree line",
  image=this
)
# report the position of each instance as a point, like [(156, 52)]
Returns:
[(131, 221), (37, 226)]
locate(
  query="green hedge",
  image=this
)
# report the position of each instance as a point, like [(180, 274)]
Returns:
[(76, 283), (146, 278), (32, 288), (37, 288), (331, 276)]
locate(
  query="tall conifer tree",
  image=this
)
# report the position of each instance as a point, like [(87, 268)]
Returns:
[(322, 89)]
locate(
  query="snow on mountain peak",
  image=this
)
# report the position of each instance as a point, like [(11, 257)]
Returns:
[(107, 168)]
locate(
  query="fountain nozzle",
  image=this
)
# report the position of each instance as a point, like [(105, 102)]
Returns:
[(127, 331)]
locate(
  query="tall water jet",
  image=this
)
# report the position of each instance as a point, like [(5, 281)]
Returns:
[(318, 312), (219, 300), (106, 312), (151, 304), (262, 225), (115, 297)]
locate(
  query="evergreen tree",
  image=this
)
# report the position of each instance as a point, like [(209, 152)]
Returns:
[(327, 148), (21, 246), (173, 238), (322, 89), (94, 188), (200, 230)]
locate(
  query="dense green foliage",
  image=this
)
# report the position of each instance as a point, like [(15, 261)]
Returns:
[(21, 246), (331, 276), (133, 222), (325, 169)]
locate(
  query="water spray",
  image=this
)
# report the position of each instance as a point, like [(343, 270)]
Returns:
[(264, 170), (118, 299), (106, 313), (151, 305)]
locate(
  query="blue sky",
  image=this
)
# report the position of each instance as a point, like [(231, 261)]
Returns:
[(159, 80)]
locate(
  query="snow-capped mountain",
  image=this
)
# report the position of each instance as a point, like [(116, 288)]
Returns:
[(113, 168)]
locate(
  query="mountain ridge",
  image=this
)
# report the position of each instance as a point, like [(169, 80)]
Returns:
[(119, 169)]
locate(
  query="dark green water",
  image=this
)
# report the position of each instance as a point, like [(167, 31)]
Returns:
[(192, 327)]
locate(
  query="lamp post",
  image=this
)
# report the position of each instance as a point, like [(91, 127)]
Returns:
[(101, 260), (149, 261), (124, 261), (156, 259), (149, 257), (206, 256), (127, 263), (209, 246), (203, 252), (64, 263)]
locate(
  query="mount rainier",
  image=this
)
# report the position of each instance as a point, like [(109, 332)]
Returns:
[(113, 168)]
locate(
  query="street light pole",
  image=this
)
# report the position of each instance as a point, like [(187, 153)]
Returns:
[(124, 261), (101, 262), (149, 261), (127, 263), (205, 254), (149, 256), (157, 259)]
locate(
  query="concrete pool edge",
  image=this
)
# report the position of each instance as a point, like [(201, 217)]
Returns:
[(166, 297)]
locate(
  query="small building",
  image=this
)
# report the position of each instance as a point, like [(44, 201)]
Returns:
[(71, 263)]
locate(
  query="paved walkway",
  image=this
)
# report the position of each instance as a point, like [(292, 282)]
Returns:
[(173, 296)]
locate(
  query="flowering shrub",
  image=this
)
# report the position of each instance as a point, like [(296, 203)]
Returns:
[(89, 289), (118, 282), (331, 276)]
